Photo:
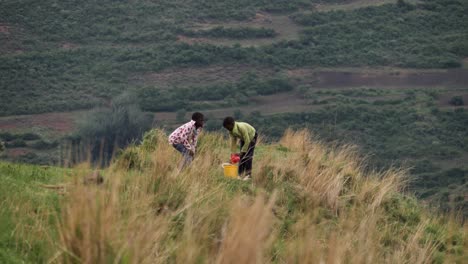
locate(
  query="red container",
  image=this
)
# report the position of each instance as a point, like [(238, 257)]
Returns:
[(235, 158)]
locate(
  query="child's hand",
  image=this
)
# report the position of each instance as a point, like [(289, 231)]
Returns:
[(235, 158)]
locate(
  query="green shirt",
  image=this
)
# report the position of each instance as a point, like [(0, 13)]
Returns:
[(242, 131)]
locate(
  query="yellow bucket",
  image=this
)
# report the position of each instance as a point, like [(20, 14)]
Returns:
[(230, 170)]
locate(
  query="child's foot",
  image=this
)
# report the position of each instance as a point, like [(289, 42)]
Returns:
[(247, 177)]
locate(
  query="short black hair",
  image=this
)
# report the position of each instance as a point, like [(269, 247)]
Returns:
[(197, 116), (228, 121)]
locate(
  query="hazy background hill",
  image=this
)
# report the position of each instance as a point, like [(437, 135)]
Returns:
[(389, 76)]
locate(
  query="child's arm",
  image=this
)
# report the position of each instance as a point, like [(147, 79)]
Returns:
[(233, 144)]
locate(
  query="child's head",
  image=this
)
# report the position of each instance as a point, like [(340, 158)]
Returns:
[(199, 119), (228, 123)]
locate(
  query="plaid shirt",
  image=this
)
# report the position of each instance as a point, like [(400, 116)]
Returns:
[(186, 134)]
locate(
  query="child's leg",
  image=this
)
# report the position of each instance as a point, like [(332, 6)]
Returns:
[(241, 161), (247, 159), (185, 153)]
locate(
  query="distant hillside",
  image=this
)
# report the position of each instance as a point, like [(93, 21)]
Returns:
[(307, 203), (60, 56)]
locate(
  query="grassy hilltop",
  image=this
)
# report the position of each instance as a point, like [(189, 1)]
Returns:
[(308, 203), (390, 76)]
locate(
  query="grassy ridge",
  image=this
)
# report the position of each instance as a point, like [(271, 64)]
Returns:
[(321, 207), (410, 131)]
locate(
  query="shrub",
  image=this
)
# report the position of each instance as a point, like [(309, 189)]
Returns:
[(17, 143), (106, 130), (7, 136), (30, 136), (456, 101), (42, 144)]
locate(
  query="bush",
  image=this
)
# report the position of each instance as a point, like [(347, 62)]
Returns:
[(42, 144), (107, 130), (456, 101), (30, 136), (17, 143), (150, 139), (7, 136)]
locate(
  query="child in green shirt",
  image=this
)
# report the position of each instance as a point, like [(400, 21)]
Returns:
[(248, 138)]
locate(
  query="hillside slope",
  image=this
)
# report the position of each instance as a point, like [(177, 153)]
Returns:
[(60, 56), (307, 203), (388, 75)]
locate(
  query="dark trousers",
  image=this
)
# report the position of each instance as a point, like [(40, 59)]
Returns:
[(245, 164)]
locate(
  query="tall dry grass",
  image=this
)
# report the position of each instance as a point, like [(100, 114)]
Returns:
[(307, 203)]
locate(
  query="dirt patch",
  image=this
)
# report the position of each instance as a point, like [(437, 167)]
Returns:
[(57, 122), (16, 152), (380, 78), (68, 46), (282, 24), (201, 76), (10, 39), (191, 41), (5, 29), (356, 4)]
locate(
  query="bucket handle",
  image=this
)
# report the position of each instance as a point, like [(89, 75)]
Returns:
[(225, 164)]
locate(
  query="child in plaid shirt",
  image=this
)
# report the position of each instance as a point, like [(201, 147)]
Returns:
[(184, 138)]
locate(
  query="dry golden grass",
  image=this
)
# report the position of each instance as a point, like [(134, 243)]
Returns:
[(248, 233), (307, 203)]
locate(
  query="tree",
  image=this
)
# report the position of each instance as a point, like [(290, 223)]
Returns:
[(109, 129)]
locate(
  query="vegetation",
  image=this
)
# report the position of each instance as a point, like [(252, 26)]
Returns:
[(231, 94), (457, 101), (23, 203), (321, 207), (68, 58), (25, 140), (107, 130), (57, 56), (398, 35), (235, 33), (408, 132)]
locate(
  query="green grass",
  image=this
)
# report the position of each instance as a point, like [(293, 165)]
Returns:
[(111, 43), (22, 202), (195, 207)]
